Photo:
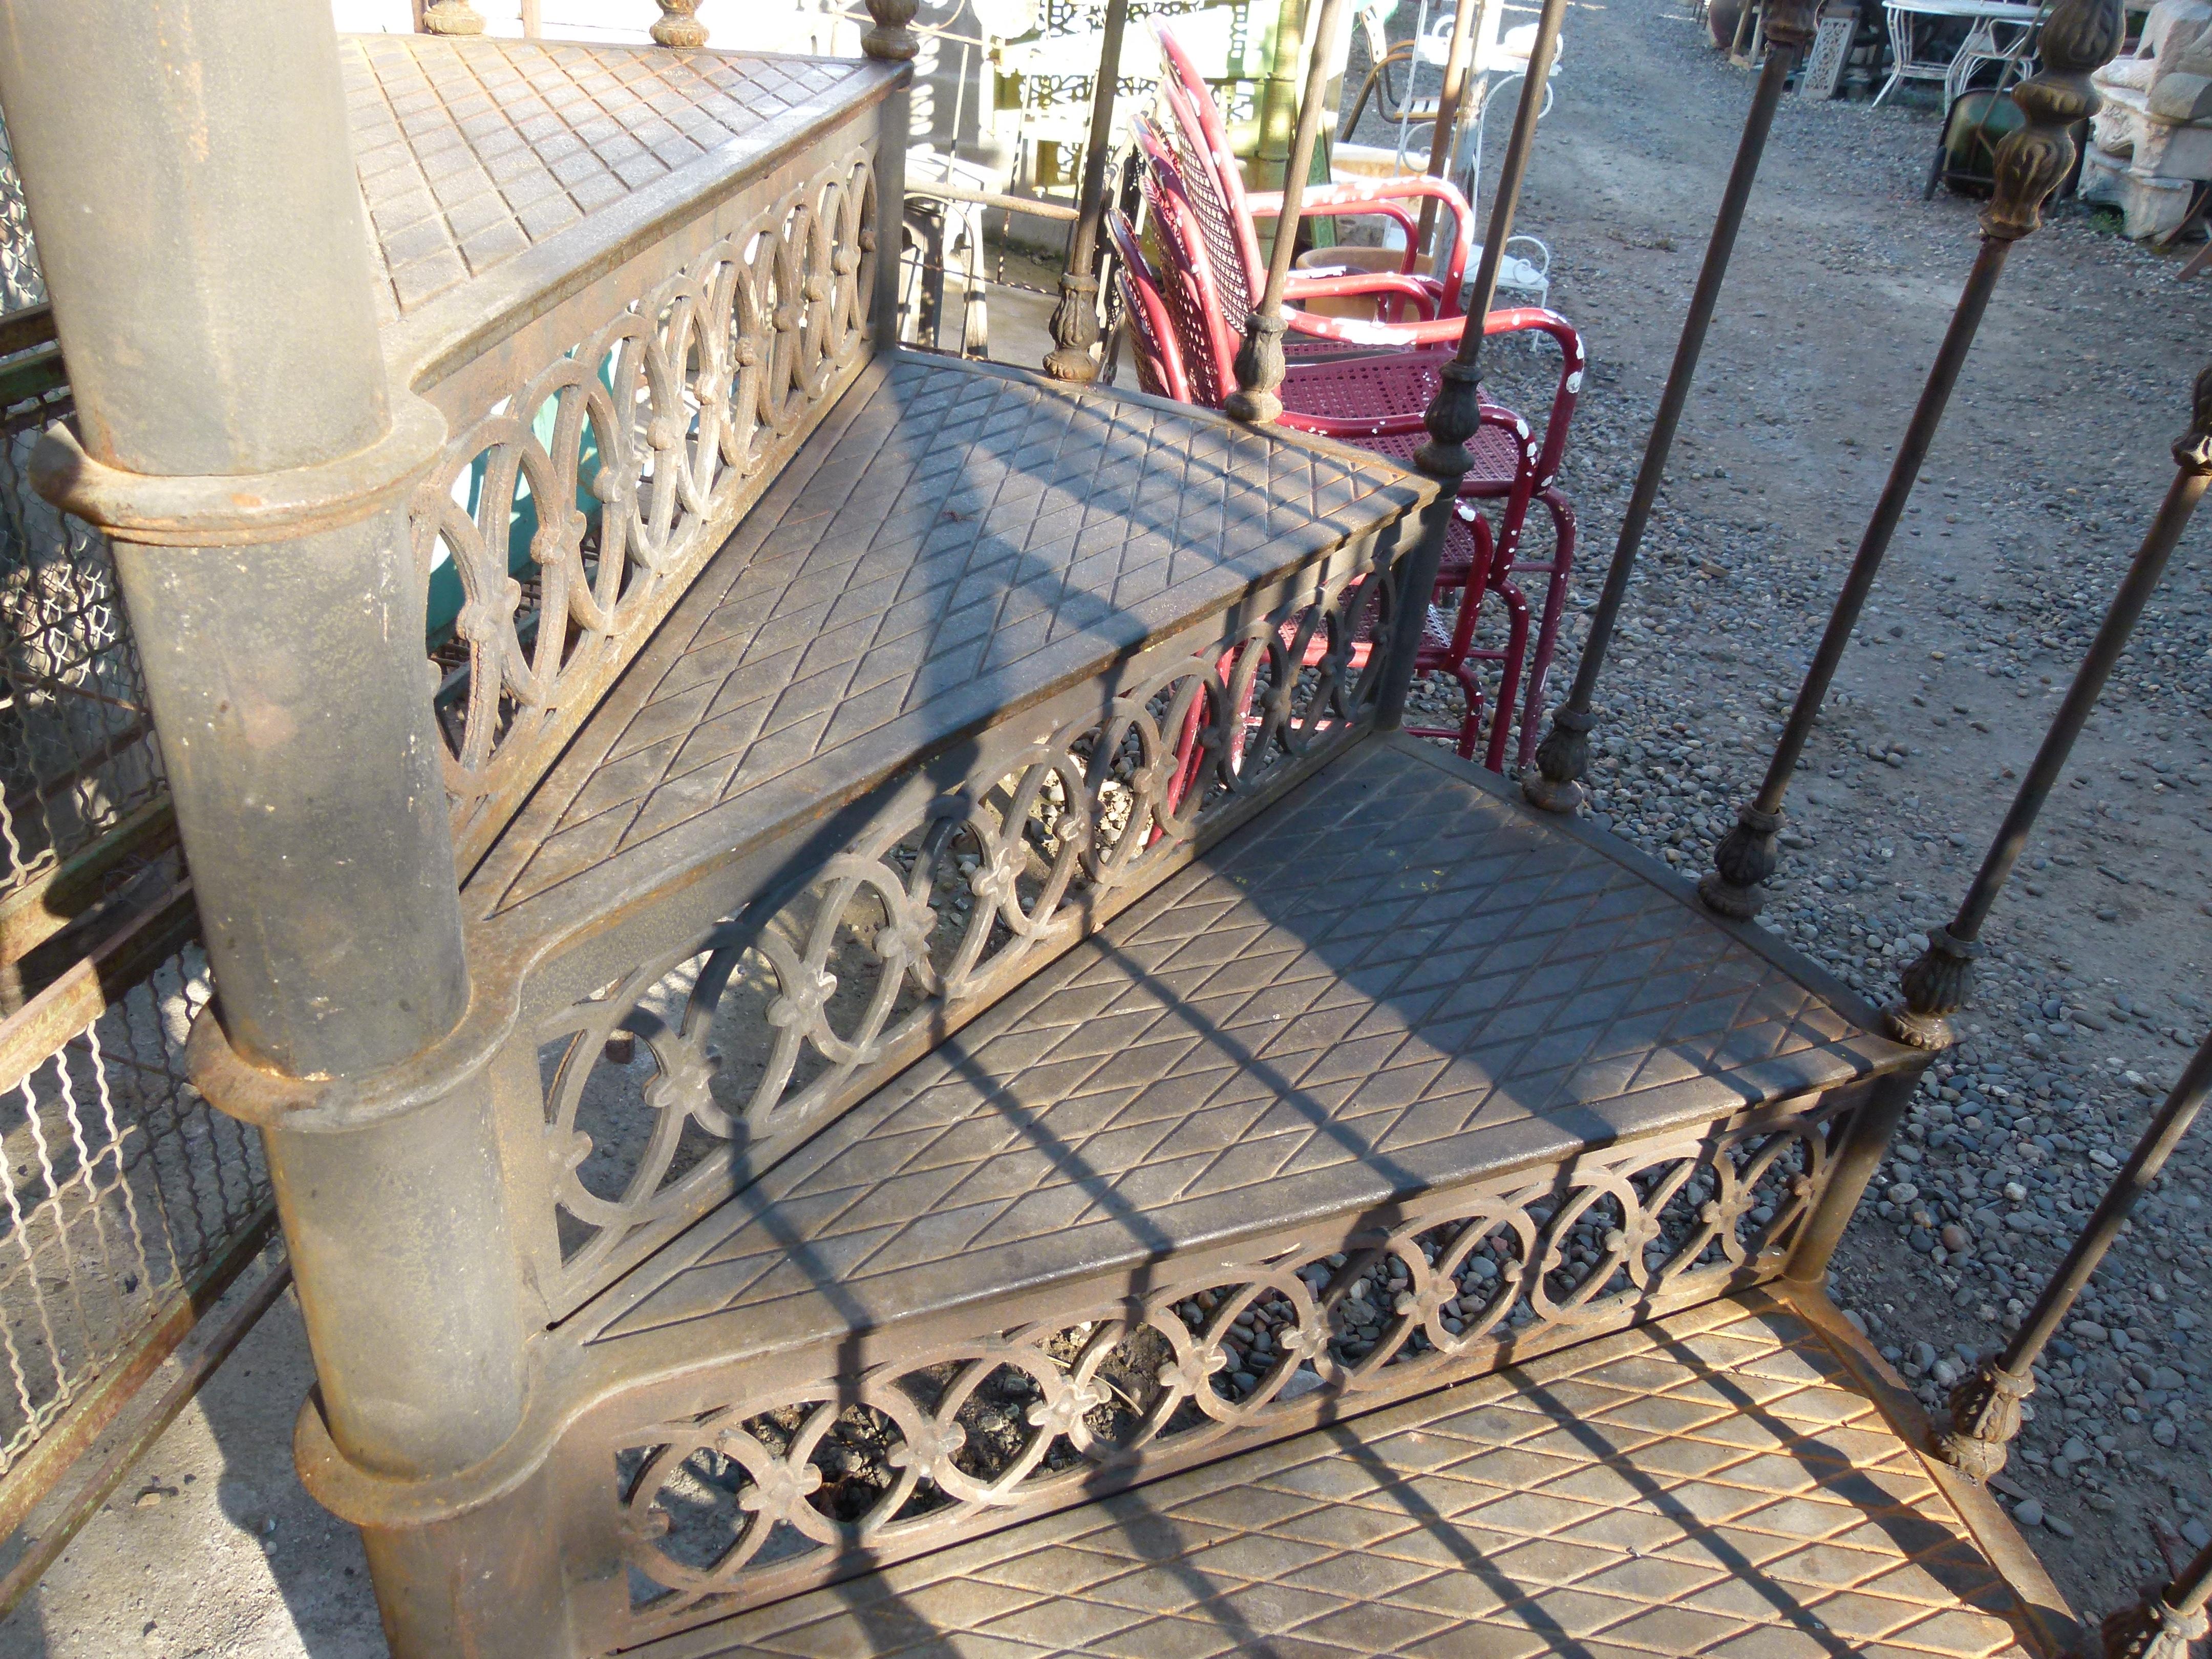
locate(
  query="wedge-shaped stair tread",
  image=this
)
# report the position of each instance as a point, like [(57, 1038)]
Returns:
[(1718, 1482), (955, 542), (1399, 979)]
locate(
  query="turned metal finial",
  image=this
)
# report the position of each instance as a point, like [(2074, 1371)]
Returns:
[(1453, 416), (1936, 985), (453, 17), (2192, 450), (1261, 369), (679, 25), (891, 39), (2164, 1623), (1075, 319), (2078, 36), (1790, 23), (1984, 1416)]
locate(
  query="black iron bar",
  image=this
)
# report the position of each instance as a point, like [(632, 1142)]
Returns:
[(1260, 365), (1449, 98), (1984, 1408), (1456, 411), (2079, 37), (1745, 857), (1075, 320), (2162, 1625), (1939, 980), (1556, 784)]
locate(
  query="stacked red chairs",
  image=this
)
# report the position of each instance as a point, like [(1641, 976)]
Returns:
[(1182, 322)]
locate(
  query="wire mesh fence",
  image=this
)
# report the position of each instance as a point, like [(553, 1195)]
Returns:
[(123, 1188), (125, 1194), (22, 282)]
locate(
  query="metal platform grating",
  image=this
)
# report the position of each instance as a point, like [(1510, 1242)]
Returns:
[(1716, 1483), (472, 150)]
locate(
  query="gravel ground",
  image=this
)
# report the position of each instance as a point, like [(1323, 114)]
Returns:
[(2045, 474)]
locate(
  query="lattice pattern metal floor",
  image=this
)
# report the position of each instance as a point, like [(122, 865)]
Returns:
[(471, 150), (1402, 979), (1717, 1483), (954, 537)]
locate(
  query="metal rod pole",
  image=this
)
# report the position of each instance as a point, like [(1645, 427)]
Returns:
[(1985, 1408), (2162, 1625), (1075, 320), (1455, 412), (1939, 980), (2079, 37), (1457, 56), (1746, 856), (1259, 363), (1556, 784)]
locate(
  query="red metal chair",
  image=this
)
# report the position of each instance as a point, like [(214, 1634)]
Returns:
[(1227, 214), (1161, 368), (1376, 402)]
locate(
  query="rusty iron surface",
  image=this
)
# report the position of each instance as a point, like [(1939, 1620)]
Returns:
[(957, 539), (1715, 1482), (1399, 978)]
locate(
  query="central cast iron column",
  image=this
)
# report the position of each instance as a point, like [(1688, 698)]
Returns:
[(193, 187)]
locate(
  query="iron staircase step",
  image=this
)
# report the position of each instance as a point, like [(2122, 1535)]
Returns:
[(1398, 1083), (1736, 1479)]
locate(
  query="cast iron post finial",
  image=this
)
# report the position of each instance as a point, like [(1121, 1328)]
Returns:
[(679, 25), (2164, 1623), (453, 17), (2031, 160), (1985, 1411), (1941, 980), (1260, 365), (891, 39), (1075, 320), (1555, 782)]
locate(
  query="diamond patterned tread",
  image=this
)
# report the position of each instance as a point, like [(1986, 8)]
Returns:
[(1399, 979), (1719, 1482), (471, 151), (955, 540)]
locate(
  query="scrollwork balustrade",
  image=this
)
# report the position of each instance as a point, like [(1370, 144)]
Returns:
[(751, 1497), (740, 1043), (571, 514)]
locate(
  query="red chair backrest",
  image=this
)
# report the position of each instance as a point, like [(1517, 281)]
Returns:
[(1211, 179), (1190, 287), (1144, 301)]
